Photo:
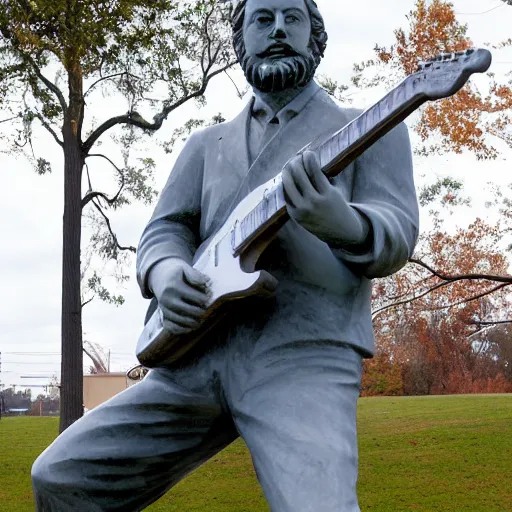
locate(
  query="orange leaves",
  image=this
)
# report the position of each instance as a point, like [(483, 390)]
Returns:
[(466, 119), (462, 122), (433, 29), (504, 93), (429, 330), (470, 250), (381, 376), (458, 119), (426, 321), (384, 55)]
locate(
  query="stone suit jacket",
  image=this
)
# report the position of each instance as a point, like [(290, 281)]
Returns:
[(324, 291)]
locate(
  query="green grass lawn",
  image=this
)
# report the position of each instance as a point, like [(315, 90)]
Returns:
[(449, 454)]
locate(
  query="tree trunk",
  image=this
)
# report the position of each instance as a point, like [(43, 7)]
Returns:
[(71, 403), (71, 391)]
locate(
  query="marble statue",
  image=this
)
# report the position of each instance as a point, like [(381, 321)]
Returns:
[(282, 372)]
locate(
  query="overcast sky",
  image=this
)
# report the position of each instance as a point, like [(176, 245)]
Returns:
[(31, 206)]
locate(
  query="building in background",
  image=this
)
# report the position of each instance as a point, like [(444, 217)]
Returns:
[(99, 387)]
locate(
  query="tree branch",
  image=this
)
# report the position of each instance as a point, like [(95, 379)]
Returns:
[(238, 92), (91, 195), (496, 322), (108, 78), (432, 289), (7, 120), (88, 177), (410, 288), (87, 301), (180, 76), (209, 42), (114, 237), (46, 82), (461, 277), (135, 119), (410, 299), (471, 299), (484, 326), (99, 366), (50, 129)]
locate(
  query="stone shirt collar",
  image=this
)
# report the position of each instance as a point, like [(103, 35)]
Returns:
[(262, 111)]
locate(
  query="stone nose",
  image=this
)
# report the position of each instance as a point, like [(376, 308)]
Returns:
[(279, 31)]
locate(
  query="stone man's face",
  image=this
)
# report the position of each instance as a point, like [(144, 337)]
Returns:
[(277, 36), (270, 26)]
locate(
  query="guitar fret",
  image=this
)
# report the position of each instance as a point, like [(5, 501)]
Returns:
[(349, 137), (263, 211), (338, 145)]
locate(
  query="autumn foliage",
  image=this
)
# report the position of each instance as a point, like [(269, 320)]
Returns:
[(382, 377), (441, 323), (428, 323), (463, 121)]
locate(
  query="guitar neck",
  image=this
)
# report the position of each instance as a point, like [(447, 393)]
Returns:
[(334, 155), (351, 141)]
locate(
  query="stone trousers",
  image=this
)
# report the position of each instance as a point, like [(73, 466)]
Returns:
[(293, 403)]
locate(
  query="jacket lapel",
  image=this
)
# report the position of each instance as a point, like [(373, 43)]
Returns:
[(234, 144), (295, 135), (227, 168)]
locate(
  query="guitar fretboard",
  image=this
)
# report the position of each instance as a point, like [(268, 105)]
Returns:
[(272, 204), (335, 154)]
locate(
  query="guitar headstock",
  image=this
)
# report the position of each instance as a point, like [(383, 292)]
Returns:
[(446, 73)]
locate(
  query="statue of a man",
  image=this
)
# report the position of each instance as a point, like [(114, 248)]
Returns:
[(284, 373)]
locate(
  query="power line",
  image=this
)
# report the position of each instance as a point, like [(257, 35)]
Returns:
[(33, 353), (32, 362), (58, 353), (479, 13)]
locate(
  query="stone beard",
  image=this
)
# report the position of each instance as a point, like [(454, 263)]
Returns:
[(275, 74)]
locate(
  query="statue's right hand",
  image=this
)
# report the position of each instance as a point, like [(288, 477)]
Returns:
[(182, 293)]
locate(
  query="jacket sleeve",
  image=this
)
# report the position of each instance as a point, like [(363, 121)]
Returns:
[(384, 193), (173, 230)]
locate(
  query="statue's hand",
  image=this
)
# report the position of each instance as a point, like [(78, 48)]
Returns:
[(182, 293), (319, 206)]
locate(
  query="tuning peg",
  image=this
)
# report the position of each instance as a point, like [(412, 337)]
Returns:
[(451, 55), (444, 57)]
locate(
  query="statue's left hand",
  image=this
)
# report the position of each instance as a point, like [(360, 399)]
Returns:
[(319, 206)]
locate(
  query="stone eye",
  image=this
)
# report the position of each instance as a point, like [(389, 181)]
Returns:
[(291, 18), (264, 20)]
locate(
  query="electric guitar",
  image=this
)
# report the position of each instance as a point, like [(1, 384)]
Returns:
[(229, 259)]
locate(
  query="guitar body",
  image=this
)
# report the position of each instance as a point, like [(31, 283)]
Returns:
[(232, 277)]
